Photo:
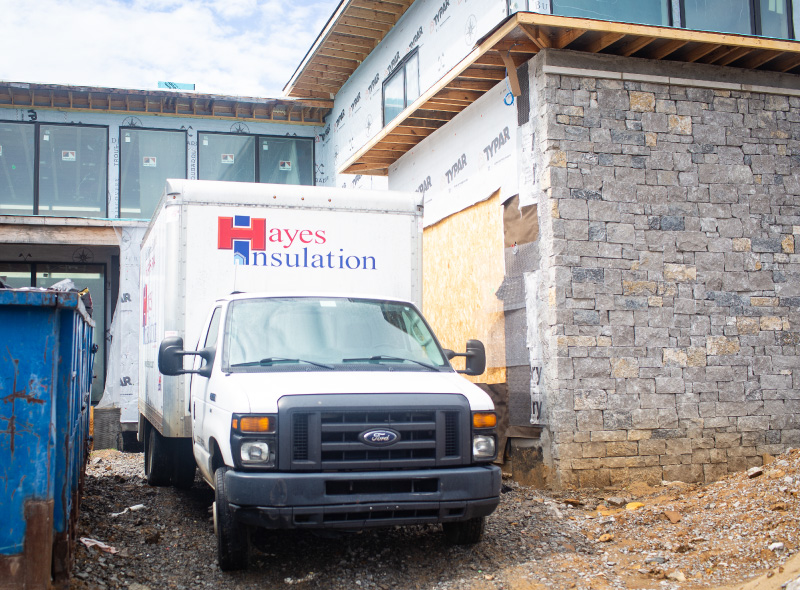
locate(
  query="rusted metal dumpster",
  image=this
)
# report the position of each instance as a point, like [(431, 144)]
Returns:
[(46, 356)]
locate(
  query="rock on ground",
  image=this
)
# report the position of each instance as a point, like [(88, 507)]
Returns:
[(742, 531)]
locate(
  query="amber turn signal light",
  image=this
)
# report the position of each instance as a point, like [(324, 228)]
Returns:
[(253, 424), (484, 420)]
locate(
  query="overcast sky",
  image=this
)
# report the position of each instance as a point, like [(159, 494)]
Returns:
[(235, 47)]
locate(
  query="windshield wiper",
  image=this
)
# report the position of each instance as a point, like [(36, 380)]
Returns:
[(384, 357), (279, 359), (268, 362)]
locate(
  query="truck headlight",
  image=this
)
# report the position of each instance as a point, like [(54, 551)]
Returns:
[(254, 452), (483, 447)]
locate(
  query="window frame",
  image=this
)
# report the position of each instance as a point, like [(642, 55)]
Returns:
[(756, 27), (257, 159), (400, 67), (38, 164), (671, 23), (137, 128), (35, 164)]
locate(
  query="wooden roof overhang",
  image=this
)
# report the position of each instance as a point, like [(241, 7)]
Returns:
[(353, 31), (20, 95), (523, 35)]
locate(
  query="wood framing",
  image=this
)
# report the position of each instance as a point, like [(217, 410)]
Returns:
[(308, 111), (525, 34)]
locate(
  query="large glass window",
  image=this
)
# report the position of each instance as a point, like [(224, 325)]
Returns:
[(728, 16), (225, 156), (775, 18), (17, 143), (646, 12), (148, 157), (278, 160), (401, 88), (73, 167), (286, 160)]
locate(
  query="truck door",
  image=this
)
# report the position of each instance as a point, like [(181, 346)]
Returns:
[(199, 395)]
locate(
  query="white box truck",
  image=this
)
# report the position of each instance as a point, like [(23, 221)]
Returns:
[(316, 395)]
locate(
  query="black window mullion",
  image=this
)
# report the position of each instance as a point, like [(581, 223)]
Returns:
[(790, 16), (36, 166), (755, 17), (257, 160)]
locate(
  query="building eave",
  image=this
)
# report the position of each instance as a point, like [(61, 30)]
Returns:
[(353, 31), (23, 95), (525, 34)]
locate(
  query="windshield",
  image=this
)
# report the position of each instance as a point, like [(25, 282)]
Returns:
[(317, 333)]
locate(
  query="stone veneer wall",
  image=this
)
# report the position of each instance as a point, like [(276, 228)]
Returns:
[(670, 298)]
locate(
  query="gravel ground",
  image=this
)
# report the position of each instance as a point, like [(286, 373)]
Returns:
[(671, 536)]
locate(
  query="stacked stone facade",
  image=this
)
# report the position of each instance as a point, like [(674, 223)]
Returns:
[(669, 211)]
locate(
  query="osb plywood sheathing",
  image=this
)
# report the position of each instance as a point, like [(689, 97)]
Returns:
[(463, 268)]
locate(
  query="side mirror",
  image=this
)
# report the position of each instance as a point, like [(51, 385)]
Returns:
[(475, 355), (171, 353)]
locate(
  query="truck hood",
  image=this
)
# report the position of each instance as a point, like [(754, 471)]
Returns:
[(262, 390)]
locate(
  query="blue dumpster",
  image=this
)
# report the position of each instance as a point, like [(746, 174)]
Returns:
[(46, 356)]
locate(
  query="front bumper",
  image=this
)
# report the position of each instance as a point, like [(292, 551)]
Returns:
[(356, 500)]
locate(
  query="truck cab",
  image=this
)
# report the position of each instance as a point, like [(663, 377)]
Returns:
[(329, 411)]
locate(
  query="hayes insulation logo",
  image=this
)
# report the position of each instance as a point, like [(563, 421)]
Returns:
[(255, 244), (241, 234)]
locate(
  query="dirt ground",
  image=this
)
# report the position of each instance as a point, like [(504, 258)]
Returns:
[(741, 532)]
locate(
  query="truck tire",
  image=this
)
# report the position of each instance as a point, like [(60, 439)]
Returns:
[(157, 459), (233, 544), (465, 532), (183, 463)]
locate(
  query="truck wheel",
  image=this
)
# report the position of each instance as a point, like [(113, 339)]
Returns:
[(466, 532), (157, 459), (233, 544), (183, 463)]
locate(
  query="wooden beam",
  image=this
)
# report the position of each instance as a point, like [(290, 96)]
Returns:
[(352, 64), (434, 115), (317, 103), (328, 69), (700, 52), (666, 49), (733, 56), (718, 53), (317, 88), (359, 31), (759, 59), (566, 37), (368, 169), (443, 105), (535, 34), (603, 41), (350, 41), (480, 85), (412, 131), (635, 45), (788, 63), (362, 23), (394, 8), (422, 123), (348, 52), (516, 46), (513, 79), (484, 74), (371, 15)]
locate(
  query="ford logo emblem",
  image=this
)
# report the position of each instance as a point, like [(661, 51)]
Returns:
[(379, 438)]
